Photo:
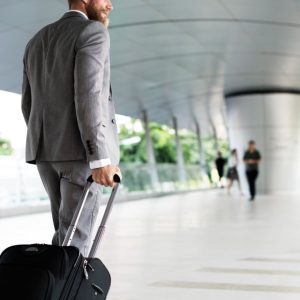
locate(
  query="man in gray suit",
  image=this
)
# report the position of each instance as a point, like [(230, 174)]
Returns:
[(68, 108)]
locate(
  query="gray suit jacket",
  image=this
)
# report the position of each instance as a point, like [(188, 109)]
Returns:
[(66, 96)]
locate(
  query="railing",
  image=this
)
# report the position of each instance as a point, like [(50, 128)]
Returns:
[(20, 183), (137, 177)]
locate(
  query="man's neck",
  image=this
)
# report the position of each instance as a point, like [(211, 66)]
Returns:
[(79, 11), (79, 7)]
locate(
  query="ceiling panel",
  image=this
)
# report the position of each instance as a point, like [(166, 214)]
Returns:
[(121, 4), (189, 9), (176, 58), (283, 11), (30, 11)]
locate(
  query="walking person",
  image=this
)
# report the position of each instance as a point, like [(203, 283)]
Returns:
[(220, 163), (68, 108), (232, 173), (252, 159)]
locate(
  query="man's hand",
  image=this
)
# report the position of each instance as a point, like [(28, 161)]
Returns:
[(104, 175)]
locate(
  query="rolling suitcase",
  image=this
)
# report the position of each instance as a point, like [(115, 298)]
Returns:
[(48, 272)]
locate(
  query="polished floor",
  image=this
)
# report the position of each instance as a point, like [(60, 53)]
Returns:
[(201, 245)]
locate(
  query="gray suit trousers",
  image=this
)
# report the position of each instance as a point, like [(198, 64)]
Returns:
[(64, 183)]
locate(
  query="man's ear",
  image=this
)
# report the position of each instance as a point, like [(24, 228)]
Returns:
[(85, 1)]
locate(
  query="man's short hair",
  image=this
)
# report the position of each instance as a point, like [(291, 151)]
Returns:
[(251, 142)]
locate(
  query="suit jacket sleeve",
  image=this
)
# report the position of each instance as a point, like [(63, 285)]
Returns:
[(92, 50), (26, 93)]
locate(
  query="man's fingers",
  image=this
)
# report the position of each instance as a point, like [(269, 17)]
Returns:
[(105, 180), (118, 172), (99, 179), (105, 175)]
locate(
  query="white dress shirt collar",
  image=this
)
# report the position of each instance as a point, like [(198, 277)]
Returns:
[(80, 13)]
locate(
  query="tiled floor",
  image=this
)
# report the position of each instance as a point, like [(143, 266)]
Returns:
[(202, 245)]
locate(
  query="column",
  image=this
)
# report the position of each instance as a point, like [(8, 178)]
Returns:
[(201, 149), (272, 120), (213, 127), (150, 154), (179, 154)]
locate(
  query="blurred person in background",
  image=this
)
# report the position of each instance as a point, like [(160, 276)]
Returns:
[(220, 164), (252, 159), (232, 173)]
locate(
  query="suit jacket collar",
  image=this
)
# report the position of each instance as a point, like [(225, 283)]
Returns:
[(72, 14)]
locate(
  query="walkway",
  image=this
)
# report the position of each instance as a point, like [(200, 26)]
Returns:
[(202, 245)]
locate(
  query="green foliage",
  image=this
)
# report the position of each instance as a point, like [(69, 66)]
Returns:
[(190, 147), (5, 147), (163, 143), (210, 149), (133, 152), (163, 139)]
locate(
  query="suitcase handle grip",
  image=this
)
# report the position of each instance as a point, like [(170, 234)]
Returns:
[(73, 226), (116, 179)]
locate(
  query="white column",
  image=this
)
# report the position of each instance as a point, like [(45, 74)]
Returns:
[(211, 122), (201, 149), (272, 120), (215, 136), (179, 154), (150, 154)]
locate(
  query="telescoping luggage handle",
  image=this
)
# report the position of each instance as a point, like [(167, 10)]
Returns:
[(72, 228)]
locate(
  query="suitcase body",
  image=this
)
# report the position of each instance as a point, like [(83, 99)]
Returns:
[(48, 272), (96, 285), (33, 272)]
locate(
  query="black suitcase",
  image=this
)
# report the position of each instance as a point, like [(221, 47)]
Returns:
[(47, 272)]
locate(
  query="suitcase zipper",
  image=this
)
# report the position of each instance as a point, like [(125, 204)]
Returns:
[(86, 274), (73, 275)]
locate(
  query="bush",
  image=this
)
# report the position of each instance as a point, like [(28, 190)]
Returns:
[(5, 147)]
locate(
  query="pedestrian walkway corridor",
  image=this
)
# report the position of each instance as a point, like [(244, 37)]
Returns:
[(200, 245)]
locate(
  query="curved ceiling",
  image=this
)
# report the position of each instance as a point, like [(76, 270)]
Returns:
[(176, 58)]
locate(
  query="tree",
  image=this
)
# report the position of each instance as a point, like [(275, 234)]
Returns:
[(210, 151), (5, 147), (163, 140), (163, 143), (132, 152)]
